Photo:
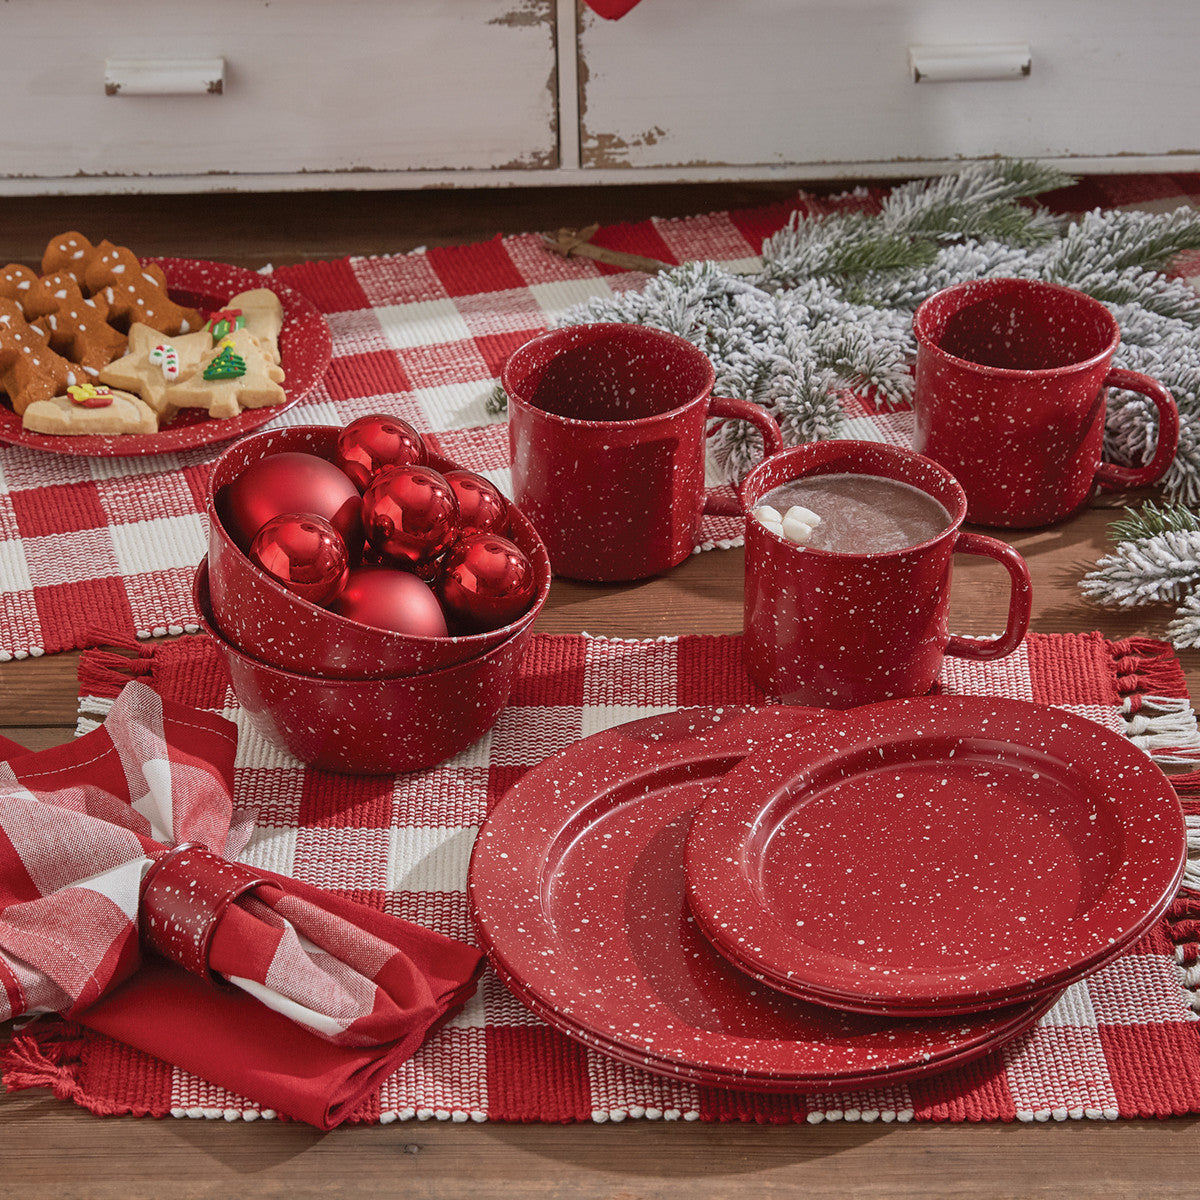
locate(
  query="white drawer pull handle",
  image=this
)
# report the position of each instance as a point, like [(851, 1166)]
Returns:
[(953, 64), (164, 76)]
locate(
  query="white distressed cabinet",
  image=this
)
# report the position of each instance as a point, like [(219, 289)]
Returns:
[(135, 95)]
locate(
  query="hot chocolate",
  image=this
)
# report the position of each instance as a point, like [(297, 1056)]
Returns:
[(861, 514)]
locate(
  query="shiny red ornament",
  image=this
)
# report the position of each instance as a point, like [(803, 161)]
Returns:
[(481, 506), (375, 441), (291, 482), (391, 599), (410, 515), (486, 582), (303, 552)]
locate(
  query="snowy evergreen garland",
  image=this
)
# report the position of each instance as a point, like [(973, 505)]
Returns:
[(1156, 561)]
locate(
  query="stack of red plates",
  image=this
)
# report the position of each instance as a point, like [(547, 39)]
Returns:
[(788, 899)]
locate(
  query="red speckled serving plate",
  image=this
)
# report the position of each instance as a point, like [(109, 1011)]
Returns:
[(305, 345), (577, 887), (936, 855)]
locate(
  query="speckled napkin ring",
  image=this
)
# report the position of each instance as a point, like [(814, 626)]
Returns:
[(184, 896)]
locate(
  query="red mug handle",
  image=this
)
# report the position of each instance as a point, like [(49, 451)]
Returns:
[(1020, 600), (742, 410), (1112, 475)]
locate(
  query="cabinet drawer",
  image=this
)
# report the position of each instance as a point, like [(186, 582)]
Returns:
[(362, 86), (705, 83)]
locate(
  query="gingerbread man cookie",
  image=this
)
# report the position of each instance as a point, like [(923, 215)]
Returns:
[(134, 292), (29, 369), (70, 253), (15, 282), (76, 327), (235, 374), (90, 409), (154, 363)]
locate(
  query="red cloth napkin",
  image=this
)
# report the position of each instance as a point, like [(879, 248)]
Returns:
[(120, 841)]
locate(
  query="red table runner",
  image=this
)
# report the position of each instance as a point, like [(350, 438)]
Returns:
[(1123, 1043), (112, 543)]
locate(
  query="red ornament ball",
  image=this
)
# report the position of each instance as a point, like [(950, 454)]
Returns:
[(481, 506), (303, 552), (373, 442), (486, 582), (410, 515), (291, 482), (390, 599)]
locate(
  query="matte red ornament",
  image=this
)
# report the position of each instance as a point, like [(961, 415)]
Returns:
[(486, 581), (391, 599), (410, 515), (291, 482), (481, 506), (375, 441), (303, 552)]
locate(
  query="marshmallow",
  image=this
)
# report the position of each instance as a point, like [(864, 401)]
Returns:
[(796, 530), (770, 517), (799, 513)]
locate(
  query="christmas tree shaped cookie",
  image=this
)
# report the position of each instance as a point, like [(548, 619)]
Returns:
[(236, 373)]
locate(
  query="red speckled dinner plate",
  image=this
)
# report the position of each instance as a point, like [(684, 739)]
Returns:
[(936, 855), (305, 345), (973, 1043), (578, 892)]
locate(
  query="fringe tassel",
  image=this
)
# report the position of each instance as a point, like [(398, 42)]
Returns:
[(1186, 783), (1191, 873), (105, 672), (1146, 666), (1164, 726), (45, 1059), (1155, 704)]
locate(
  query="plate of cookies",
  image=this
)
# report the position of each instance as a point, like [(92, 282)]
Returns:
[(107, 354)]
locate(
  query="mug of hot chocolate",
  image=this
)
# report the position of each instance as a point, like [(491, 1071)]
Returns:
[(849, 549)]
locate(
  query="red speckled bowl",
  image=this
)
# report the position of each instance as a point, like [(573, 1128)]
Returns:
[(275, 626), (369, 726)]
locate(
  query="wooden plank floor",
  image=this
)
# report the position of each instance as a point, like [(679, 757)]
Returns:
[(48, 1148)]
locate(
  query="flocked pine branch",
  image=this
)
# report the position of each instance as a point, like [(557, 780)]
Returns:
[(1152, 519), (981, 202), (1184, 630), (1156, 561), (1162, 569)]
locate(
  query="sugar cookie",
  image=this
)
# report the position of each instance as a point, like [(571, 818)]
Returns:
[(235, 374), (90, 410), (154, 364)]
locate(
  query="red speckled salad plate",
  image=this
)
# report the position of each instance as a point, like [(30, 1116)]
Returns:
[(936, 855)]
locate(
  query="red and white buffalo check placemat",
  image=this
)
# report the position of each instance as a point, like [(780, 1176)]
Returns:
[(112, 543), (1124, 1043)]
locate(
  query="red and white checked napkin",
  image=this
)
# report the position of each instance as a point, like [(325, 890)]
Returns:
[(120, 842)]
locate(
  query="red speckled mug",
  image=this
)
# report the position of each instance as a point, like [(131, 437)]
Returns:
[(1012, 379), (606, 424), (834, 629)]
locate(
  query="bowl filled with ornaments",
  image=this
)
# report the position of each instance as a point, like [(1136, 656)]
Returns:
[(359, 553), (368, 726)]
